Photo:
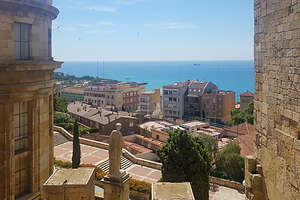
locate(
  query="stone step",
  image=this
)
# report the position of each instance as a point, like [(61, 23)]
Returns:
[(125, 164)]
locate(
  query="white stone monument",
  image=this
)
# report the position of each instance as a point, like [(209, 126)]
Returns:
[(116, 183)]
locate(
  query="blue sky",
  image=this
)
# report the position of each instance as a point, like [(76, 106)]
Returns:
[(153, 30)]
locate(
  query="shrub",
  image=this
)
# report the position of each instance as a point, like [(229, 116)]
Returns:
[(62, 164), (67, 126), (140, 186), (134, 185), (229, 164), (94, 130)]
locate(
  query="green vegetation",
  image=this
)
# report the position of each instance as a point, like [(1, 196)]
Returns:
[(59, 104), (185, 159), (134, 185), (64, 120), (62, 164), (241, 116), (76, 147), (210, 144), (229, 164)]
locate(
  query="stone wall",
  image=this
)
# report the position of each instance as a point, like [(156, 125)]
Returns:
[(277, 97), (223, 182)]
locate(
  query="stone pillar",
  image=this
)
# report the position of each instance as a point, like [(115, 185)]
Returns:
[(116, 183)]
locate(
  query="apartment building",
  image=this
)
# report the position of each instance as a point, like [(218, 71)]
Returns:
[(173, 100), (216, 107), (120, 96), (245, 99), (150, 102), (72, 94), (204, 101)]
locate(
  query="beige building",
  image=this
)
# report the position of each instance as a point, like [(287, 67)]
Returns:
[(150, 102), (26, 97), (72, 94), (122, 96), (245, 99)]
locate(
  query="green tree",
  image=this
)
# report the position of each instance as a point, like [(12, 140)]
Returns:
[(240, 116), (210, 144), (59, 104), (76, 147), (229, 163), (185, 159)]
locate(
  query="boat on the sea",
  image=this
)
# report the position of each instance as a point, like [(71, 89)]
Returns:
[(196, 64)]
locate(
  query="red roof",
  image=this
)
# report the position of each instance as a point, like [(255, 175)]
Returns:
[(245, 138), (247, 94)]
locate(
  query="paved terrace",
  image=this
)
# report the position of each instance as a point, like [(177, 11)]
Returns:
[(63, 151), (93, 155)]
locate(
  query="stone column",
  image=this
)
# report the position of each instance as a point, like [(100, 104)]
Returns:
[(116, 183)]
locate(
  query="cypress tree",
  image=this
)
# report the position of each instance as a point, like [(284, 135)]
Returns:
[(76, 147)]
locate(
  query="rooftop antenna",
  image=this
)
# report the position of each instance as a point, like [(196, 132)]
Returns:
[(103, 68), (97, 69)]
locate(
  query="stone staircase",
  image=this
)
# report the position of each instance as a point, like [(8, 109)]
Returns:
[(125, 163)]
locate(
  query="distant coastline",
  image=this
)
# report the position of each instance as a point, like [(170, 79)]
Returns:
[(228, 75)]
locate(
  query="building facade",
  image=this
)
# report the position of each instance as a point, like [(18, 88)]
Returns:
[(245, 99), (173, 100), (150, 102), (275, 173), (72, 94), (121, 96), (216, 107), (213, 105), (26, 97)]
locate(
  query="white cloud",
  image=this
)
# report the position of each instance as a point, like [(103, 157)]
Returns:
[(105, 23), (101, 8), (172, 25)]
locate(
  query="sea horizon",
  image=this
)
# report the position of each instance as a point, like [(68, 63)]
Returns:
[(235, 75)]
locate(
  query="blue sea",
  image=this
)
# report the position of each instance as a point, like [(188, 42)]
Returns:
[(227, 75)]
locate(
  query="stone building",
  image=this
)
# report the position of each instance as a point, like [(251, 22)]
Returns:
[(26, 97), (275, 173), (245, 99), (150, 102)]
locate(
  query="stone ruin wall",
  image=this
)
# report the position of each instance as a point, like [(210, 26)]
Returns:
[(277, 98)]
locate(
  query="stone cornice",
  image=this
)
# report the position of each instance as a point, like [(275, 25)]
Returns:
[(44, 7), (28, 65)]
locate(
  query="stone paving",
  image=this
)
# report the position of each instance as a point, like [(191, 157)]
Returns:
[(143, 173), (89, 155), (93, 155), (224, 193)]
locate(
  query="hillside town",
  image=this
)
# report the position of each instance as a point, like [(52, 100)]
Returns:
[(198, 108), (64, 137)]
